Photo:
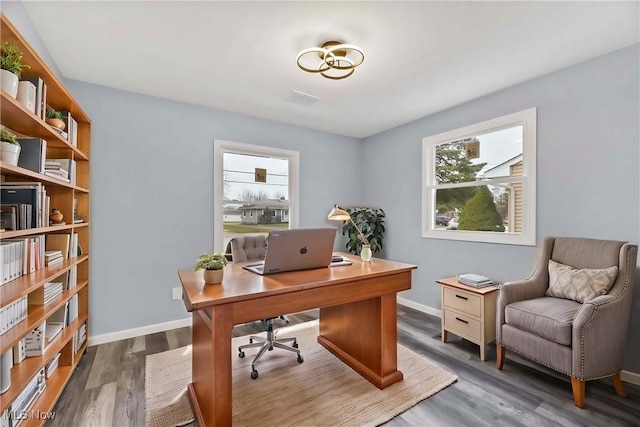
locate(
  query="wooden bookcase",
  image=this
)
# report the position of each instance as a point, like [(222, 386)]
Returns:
[(17, 118)]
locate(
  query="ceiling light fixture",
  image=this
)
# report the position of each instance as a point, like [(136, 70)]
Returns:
[(337, 60)]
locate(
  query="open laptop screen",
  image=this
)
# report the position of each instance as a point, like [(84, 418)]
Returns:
[(296, 249)]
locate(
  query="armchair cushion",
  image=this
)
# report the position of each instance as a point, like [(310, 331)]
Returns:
[(579, 285), (550, 318)]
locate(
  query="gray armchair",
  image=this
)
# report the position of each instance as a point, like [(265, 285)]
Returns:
[(583, 339)]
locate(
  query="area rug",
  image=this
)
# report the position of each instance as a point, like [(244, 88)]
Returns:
[(322, 391)]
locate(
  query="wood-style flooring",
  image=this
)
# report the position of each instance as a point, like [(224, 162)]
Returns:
[(107, 389)]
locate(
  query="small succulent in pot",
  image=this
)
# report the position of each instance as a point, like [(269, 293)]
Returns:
[(54, 118), (214, 261), (11, 59)]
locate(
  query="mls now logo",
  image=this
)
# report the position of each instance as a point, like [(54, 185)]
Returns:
[(25, 415)]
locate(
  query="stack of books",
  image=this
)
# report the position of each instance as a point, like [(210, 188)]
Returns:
[(55, 169), (475, 280), (52, 258), (52, 290)]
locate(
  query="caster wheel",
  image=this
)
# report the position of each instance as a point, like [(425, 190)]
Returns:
[(250, 340), (270, 348), (300, 358), (241, 355), (254, 374), (295, 344)]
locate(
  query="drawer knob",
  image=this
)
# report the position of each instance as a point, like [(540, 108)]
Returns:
[(461, 320), (461, 297)]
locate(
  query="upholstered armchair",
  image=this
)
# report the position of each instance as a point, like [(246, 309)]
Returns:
[(572, 314)]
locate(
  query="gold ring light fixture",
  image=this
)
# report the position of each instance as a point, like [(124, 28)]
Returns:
[(333, 60)]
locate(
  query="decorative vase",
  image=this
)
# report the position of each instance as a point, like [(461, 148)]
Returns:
[(56, 123), (9, 153), (9, 83), (56, 216), (365, 253), (213, 277)]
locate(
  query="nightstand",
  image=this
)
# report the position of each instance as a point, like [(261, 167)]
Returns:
[(469, 312)]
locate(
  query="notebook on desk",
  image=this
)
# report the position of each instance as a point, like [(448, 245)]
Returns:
[(296, 249)]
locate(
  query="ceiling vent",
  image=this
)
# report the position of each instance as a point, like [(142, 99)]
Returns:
[(301, 98)]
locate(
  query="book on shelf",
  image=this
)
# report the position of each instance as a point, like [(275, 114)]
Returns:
[(19, 351), (64, 169), (27, 95), (12, 314), (35, 341), (475, 280), (33, 153), (71, 127), (73, 309), (59, 242), (45, 294), (53, 331), (28, 193), (12, 260), (52, 365), (40, 107)]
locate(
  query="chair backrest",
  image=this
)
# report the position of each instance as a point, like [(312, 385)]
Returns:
[(592, 253), (249, 247)]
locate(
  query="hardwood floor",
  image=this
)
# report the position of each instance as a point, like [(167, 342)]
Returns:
[(108, 387)]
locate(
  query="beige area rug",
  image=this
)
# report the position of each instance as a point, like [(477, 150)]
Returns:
[(322, 391)]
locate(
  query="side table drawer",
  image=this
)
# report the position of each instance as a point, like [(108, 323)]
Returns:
[(463, 301), (465, 325)]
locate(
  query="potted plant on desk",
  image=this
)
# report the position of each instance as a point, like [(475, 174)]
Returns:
[(213, 266)]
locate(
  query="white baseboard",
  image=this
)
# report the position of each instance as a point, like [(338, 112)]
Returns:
[(630, 377), (136, 332), (420, 307)]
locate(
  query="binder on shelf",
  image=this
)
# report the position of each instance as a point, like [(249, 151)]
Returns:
[(33, 154), (19, 351)]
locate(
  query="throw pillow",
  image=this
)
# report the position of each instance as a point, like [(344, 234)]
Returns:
[(580, 285)]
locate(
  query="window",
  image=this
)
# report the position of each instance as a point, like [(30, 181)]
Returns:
[(251, 184), (479, 182)]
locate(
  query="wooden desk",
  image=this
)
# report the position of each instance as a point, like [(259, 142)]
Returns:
[(357, 321)]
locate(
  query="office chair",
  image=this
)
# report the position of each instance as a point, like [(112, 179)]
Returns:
[(248, 248)]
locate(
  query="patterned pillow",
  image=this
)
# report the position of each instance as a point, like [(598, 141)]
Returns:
[(579, 285)]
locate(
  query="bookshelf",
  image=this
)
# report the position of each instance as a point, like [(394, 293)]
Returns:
[(20, 120)]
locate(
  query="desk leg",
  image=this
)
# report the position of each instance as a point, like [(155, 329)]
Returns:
[(364, 335), (210, 391)]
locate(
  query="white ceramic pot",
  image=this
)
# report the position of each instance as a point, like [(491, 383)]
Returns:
[(365, 254), (9, 153), (213, 277), (9, 82)]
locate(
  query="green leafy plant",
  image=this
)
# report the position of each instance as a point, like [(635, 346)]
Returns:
[(53, 114), (480, 213), (214, 261), (371, 223), (9, 137), (11, 59)]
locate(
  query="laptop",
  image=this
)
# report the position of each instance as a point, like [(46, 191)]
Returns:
[(296, 249)]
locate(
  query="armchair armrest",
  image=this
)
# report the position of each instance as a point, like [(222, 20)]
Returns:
[(599, 336), (534, 287)]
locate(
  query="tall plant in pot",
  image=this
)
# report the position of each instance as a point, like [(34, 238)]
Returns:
[(371, 222), (213, 266), (9, 147), (10, 68)]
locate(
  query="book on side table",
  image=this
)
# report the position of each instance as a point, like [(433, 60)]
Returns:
[(475, 280)]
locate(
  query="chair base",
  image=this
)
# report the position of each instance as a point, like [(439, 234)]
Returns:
[(578, 386), (268, 343)]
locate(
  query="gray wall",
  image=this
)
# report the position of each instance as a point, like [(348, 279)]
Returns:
[(588, 179)]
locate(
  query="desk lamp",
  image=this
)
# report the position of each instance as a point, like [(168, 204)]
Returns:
[(338, 214)]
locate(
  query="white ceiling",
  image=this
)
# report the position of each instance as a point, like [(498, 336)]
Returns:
[(421, 57)]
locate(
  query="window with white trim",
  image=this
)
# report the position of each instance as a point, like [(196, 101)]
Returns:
[(479, 182)]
